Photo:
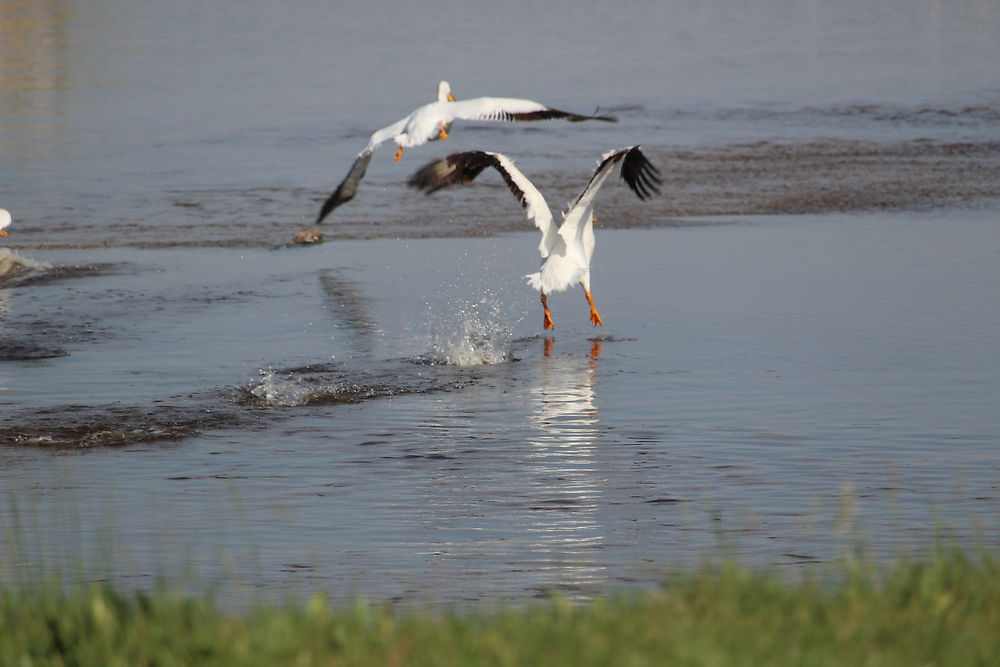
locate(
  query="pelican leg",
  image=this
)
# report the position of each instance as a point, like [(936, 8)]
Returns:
[(399, 154), (443, 134), (547, 323), (595, 317)]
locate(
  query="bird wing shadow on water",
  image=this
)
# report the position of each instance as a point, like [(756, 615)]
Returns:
[(350, 308)]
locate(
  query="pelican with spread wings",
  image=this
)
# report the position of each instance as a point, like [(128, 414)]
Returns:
[(433, 121), (566, 248)]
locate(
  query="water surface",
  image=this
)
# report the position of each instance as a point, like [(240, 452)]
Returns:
[(301, 427), (800, 345)]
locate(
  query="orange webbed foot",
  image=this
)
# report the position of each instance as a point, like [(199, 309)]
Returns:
[(547, 322), (399, 154), (595, 317), (443, 134)]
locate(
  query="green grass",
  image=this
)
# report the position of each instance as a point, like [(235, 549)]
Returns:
[(943, 611)]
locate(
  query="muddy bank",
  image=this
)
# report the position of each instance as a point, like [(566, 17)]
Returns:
[(760, 178), (831, 176)]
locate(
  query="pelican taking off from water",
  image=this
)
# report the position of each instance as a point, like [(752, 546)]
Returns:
[(566, 248), (432, 122)]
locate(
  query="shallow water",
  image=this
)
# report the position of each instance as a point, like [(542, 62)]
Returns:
[(800, 345), (293, 424)]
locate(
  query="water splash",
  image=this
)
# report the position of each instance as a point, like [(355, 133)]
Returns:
[(322, 384), (296, 389), (480, 336), (13, 265), (274, 390)]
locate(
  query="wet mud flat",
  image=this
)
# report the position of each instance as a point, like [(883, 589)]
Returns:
[(768, 178), (730, 179)]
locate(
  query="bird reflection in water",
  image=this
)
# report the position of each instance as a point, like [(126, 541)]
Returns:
[(595, 349), (351, 308), (564, 399), (568, 482)]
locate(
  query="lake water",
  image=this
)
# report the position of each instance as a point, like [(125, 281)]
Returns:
[(800, 345)]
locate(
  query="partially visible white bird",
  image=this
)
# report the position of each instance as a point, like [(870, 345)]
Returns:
[(4, 221), (432, 122), (566, 248)]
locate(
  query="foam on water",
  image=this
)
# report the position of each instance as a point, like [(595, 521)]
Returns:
[(480, 335)]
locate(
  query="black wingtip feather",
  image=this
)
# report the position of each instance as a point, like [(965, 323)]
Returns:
[(460, 169), (348, 187), (333, 201), (640, 174), (549, 114), (454, 169)]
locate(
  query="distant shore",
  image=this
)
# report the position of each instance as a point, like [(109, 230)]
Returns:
[(760, 178)]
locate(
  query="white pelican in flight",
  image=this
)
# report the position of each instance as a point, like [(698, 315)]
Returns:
[(566, 248), (432, 122), (4, 221)]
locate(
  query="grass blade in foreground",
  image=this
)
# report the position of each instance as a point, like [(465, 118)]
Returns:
[(945, 611)]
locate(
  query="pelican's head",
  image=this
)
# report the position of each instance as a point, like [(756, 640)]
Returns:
[(444, 92), (4, 221)]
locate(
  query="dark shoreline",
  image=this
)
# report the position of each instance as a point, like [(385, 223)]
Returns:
[(760, 178)]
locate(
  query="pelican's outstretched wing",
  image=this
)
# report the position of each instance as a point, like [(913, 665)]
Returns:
[(462, 168), (432, 121), (348, 187), (637, 171), (506, 109)]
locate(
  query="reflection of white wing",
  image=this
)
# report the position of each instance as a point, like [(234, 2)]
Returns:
[(562, 462), (564, 402)]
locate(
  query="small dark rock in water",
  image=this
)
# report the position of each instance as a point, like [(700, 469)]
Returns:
[(307, 237)]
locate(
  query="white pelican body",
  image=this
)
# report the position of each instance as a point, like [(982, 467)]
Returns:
[(432, 122), (566, 249), (5, 220)]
